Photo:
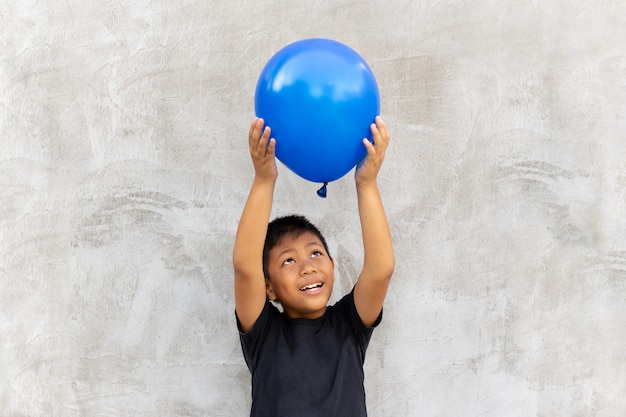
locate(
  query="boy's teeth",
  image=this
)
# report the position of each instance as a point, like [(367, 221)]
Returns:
[(309, 287)]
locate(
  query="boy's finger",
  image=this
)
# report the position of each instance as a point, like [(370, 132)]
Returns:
[(271, 148), (381, 135), (253, 124), (257, 124), (264, 139), (382, 127), (255, 130), (375, 134)]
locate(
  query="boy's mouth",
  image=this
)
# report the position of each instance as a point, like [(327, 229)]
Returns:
[(312, 288)]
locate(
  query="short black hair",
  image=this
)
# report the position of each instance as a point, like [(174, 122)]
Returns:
[(281, 226)]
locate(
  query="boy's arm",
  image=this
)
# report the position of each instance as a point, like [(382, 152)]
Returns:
[(248, 249), (378, 259)]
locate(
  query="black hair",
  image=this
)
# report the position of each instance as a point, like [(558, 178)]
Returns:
[(281, 226)]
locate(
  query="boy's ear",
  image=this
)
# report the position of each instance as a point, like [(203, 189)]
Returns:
[(269, 290)]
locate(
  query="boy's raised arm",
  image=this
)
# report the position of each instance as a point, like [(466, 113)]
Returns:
[(378, 259), (248, 250)]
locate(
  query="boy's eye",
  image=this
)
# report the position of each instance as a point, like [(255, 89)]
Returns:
[(288, 261), (315, 254)]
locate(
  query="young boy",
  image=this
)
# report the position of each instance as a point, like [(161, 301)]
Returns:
[(307, 360)]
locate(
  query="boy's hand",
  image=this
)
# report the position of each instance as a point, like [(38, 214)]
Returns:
[(367, 170), (262, 151)]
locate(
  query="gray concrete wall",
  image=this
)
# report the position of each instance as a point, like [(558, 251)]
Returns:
[(124, 169)]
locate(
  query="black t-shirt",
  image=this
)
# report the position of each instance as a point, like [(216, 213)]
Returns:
[(304, 367)]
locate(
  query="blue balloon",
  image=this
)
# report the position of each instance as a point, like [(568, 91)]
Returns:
[(319, 97)]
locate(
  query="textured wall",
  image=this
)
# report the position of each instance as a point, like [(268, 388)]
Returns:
[(124, 169)]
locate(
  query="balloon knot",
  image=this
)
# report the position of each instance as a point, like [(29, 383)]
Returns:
[(322, 191)]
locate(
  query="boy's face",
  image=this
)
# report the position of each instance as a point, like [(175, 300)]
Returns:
[(302, 275)]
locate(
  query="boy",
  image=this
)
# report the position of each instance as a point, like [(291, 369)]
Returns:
[(308, 360)]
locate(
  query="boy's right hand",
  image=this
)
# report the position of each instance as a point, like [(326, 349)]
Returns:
[(262, 151)]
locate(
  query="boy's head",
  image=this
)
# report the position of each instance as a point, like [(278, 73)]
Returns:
[(299, 272), (293, 225)]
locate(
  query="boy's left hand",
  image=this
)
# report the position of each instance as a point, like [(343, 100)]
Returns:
[(367, 170)]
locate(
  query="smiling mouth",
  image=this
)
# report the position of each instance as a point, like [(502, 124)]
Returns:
[(313, 288)]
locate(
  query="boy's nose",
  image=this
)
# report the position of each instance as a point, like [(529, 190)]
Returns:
[(307, 268)]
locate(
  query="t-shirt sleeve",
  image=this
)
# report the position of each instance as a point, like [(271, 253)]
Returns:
[(362, 333), (252, 340)]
